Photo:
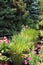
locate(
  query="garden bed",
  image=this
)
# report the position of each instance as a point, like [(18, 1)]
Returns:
[(23, 49)]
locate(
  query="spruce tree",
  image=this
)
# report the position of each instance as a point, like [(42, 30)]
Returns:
[(33, 7), (34, 10), (11, 12)]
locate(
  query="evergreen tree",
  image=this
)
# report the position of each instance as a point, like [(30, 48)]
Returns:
[(32, 6), (14, 13), (11, 12)]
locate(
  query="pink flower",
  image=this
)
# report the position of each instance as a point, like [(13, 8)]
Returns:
[(6, 40), (5, 37), (38, 46), (36, 62), (26, 56), (6, 64), (34, 52), (29, 58), (25, 62), (0, 41), (1, 64)]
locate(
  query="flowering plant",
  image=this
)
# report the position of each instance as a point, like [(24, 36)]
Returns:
[(5, 39), (4, 46)]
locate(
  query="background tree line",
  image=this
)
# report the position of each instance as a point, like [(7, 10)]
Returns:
[(15, 13)]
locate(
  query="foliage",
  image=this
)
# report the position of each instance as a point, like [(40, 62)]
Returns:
[(11, 12), (41, 53), (23, 44), (34, 59), (14, 13), (19, 45), (41, 23), (4, 58), (32, 7), (24, 40), (4, 48), (41, 9)]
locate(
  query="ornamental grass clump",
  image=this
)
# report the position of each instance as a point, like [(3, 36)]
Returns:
[(25, 40)]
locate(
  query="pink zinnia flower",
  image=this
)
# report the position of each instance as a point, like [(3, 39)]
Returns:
[(5, 37), (6, 64), (6, 40), (25, 62), (36, 48), (34, 52), (0, 63)]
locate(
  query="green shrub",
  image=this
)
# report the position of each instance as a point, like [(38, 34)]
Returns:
[(24, 40)]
